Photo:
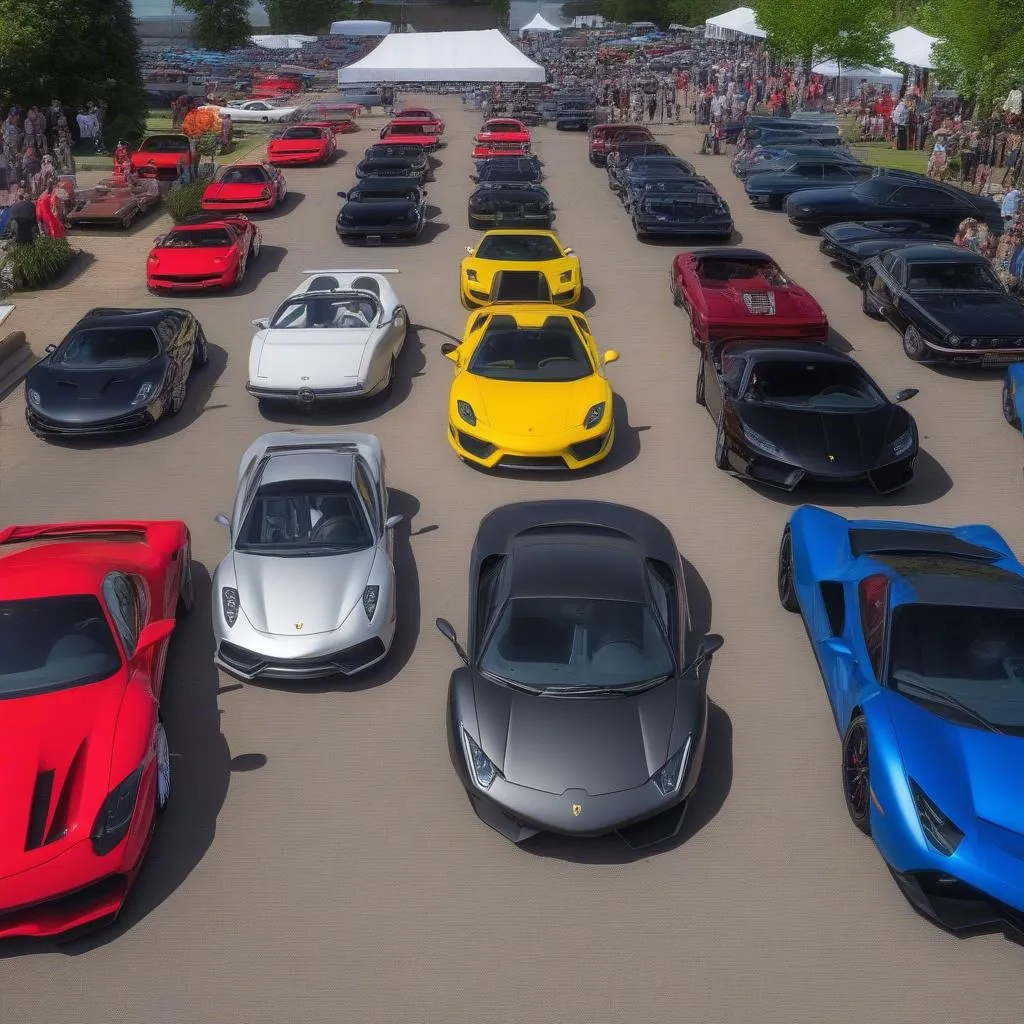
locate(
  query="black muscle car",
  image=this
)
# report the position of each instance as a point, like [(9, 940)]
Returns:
[(639, 169), (379, 209), (579, 707), (508, 169), (770, 188), (510, 205), (794, 411), (392, 167), (681, 207), (947, 303), (889, 195), (851, 243), (522, 160), (409, 152), (777, 158), (622, 151), (116, 371)]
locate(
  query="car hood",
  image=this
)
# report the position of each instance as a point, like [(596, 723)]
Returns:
[(376, 211), (869, 247), (240, 190), (320, 357), (968, 313), (729, 302), (848, 232), (529, 409), (86, 395), (161, 159), (104, 206), (599, 745), (71, 734), (192, 261), (838, 197), (319, 592)]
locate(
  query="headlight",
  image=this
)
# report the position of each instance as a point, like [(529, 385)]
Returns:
[(755, 440), (231, 604), (370, 596), (33, 398), (669, 777), (974, 342), (937, 828), (414, 215), (804, 209), (903, 443), (481, 767), (953, 341), (471, 275), (466, 412), (566, 276), (594, 416), (146, 392), (116, 814)]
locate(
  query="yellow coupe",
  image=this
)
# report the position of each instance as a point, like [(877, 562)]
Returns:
[(520, 266), (529, 390)]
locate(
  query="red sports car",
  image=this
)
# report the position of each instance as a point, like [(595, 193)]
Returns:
[(159, 156), (504, 129), (340, 122), (86, 613), (245, 187), (603, 135), (487, 150), (742, 293), (411, 131), (302, 145), (425, 117), (206, 252)]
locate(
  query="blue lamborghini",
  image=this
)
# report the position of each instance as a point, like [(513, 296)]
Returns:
[(919, 635), (1013, 395)]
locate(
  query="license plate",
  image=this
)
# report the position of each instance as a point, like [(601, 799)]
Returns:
[(373, 239)]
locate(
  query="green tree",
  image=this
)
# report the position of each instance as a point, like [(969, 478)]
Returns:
[(306, 17), (74, 52), (219, 24)]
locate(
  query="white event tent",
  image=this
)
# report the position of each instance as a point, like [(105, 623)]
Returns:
[(909, 46), (740, 22), (281, 42), (482, 56), (539, 24), (360, 28)]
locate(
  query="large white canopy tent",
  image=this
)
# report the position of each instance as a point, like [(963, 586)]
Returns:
[(281, 42), (539, 24), (869, 74), (483, 56), (733, 24), (910, 46), (360, 28)]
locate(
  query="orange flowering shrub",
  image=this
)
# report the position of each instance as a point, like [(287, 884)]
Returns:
[(202, 121)]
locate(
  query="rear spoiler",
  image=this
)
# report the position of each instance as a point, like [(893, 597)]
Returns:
[(353, 270), (22, 534)]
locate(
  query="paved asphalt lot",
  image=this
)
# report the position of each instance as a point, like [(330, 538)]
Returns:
[(320, 862)]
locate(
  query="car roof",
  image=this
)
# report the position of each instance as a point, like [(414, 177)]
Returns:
[(308, 464), (577, 564), (787, 351), (722, 252), (103, 317), (939, 252), (946, 579)]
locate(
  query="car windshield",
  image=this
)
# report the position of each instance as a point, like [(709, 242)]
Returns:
[(302, 132), (565, 642), (370, 194), (825, 386), (551, 353), (952, 277), (506, 172), (165, 144), (197, 238), (713, 270), (305, 517), (518, 248), (119, 347), (244, 176), (49, 643), (669, 206), (975, 656), (303, 312)]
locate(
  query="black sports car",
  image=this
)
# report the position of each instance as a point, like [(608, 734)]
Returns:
[(639, 169), (117, 370), (415, 156), (793, 411), (580, 708), (522, 170), (532, 159), (770, 188), (510, 205), (762, 159), (392, 167), (623, 151), (575, 114), (947, 303), (680, 207), (784, 136), (889, 195), (850, 244), (379, 209)]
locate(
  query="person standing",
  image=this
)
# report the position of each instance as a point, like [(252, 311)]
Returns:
[(1010, 208), (900, 121), (23, 218)]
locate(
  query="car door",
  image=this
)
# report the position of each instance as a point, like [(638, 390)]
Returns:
[(932, 205), (370, 496), (883, 283)]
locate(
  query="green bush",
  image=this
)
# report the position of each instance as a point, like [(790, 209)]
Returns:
[(184, 201), (37, 264)]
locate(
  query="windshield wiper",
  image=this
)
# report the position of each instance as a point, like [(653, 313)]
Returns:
[(948, 699), (512, 684), (604, 691)]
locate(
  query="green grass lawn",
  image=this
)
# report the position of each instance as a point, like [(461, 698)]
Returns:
[(878, 154)]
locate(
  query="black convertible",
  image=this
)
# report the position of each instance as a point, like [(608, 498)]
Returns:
[(947, 303), (379, 209), (580, 707), (679, 207), (117, 370), (793, 411), (392, 167), (852, 243), (510, 205)]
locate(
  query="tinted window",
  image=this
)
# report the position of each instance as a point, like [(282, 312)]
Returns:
[(518, 248), (549, 353), (198, 238), (109, 347), (877, 190), (49, 643), (711, 270), (824, 386), (944, 277), (506, 173), (679, 205), (164, 144), (923, 197), (368, 492), (346, 311), (303, 132), (244, 176), (122, 603)]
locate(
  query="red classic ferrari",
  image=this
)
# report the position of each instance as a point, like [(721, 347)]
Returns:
[(504, 129), (488, 150), (426, 117), (242, 187), (206, 252), (743, 293), (417, 133), (86, 613), (302, 145)]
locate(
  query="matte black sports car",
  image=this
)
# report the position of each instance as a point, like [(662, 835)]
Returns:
[(510, 205), (890, 195), (391, 167), (530, 159), (522, 170), (770, 188), (623, 151), (762, 159), (117, 370), (379, 209), (580, 708), (947, 303), (679, 207), (640, 169), (852, 243), (793, 411), (410, 152)]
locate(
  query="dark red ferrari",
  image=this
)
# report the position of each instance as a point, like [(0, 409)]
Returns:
[(743, 293), (86, 613)]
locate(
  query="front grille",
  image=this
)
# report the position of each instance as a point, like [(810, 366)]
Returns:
[(889, 478), (588, 449), (525, 462), (69, 903), (520, 286), (134, 421), (187, 278), (362, 654), (760, 303), (239, 202), (473, 445), (345, 662)]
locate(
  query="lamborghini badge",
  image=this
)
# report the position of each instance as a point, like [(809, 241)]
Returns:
[(299, 625), (577, 810)]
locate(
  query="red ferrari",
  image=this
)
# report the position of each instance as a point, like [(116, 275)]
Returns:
[(504, 129), (86, 613), (206, 252), (742, 293), (487, 150), (415, 132), (160, 156), (302, 145), (243, 187), (425, 117)]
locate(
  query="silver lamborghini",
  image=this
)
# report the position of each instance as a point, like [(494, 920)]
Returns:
[(308, 586)]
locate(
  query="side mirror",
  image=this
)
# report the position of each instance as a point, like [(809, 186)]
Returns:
[(155, 633), (706, 649), (51, 348), (907, 394), (448, 349), (447, 630), (469, 250), (262, 323), (342, 195), (839, 647), (568, 251), (393, 521), (222, 520), (611, 356)]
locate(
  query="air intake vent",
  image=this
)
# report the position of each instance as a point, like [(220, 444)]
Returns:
[(39, 813), (578, 529), (760, 303)]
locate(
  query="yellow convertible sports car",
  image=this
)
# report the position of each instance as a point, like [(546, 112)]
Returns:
[(520, 266), (529, 390)]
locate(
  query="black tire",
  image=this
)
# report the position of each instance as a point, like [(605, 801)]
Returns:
[(699, 396), (914, 347), (721, 447), (186, 589), (677, 297), (1009, 408), (867, 306), (784, 576), (856, 774), (201, 356), (126, 222)]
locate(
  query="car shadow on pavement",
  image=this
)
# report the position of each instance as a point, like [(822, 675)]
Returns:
[(838, 341), (201, 769), (267, 262), (283, 208), (79, 264), (690, 241), (431, 229), (587, 300), (407, 612)]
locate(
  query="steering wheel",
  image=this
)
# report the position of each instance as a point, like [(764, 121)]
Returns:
[(541, 363), (324, 527), (838, 389)]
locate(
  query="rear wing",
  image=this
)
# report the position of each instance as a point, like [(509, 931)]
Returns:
[(896, 541), (353, 270), (135, 529)]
